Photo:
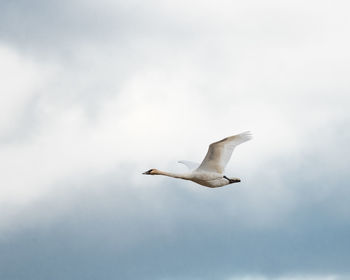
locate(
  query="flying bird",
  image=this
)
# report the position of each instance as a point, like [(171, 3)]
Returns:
[(210, 172)]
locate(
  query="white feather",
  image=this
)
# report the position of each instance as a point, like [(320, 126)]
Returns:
[(219, 153), (190, 164)]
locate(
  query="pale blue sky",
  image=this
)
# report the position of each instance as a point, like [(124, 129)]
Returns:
[(93, 94)]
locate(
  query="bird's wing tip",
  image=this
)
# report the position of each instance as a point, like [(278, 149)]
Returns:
[(246, 134)]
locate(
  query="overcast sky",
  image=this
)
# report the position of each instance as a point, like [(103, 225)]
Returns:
[(94, 93)]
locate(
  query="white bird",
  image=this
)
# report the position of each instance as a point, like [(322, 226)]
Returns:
[(210, 172)]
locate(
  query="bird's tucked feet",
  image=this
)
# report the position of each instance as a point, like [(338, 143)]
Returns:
[(233, 180)]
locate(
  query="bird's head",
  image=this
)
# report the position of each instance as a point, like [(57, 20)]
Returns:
[(152, 171)]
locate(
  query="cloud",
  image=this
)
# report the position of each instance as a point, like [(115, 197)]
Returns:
[(22, 79), (312, 277), (107, 225), (96, 94)]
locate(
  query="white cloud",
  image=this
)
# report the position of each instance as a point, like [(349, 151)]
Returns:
[(170, 105), (21, 79), (174, 77)]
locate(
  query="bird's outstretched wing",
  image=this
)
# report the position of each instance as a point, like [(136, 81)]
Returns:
[(190, 164), (219, 153)]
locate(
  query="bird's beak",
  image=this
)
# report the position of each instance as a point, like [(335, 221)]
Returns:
[(147, 172)]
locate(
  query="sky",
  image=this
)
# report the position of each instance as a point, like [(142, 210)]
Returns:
[(92, 94)]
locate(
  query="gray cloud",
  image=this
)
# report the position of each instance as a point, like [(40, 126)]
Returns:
[(132, 85), (171, 230), (42, 25)]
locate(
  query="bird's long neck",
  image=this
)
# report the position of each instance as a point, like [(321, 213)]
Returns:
[(184, 176)]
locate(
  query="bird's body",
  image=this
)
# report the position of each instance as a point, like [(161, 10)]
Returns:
[(211, 180), (210, 172)]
